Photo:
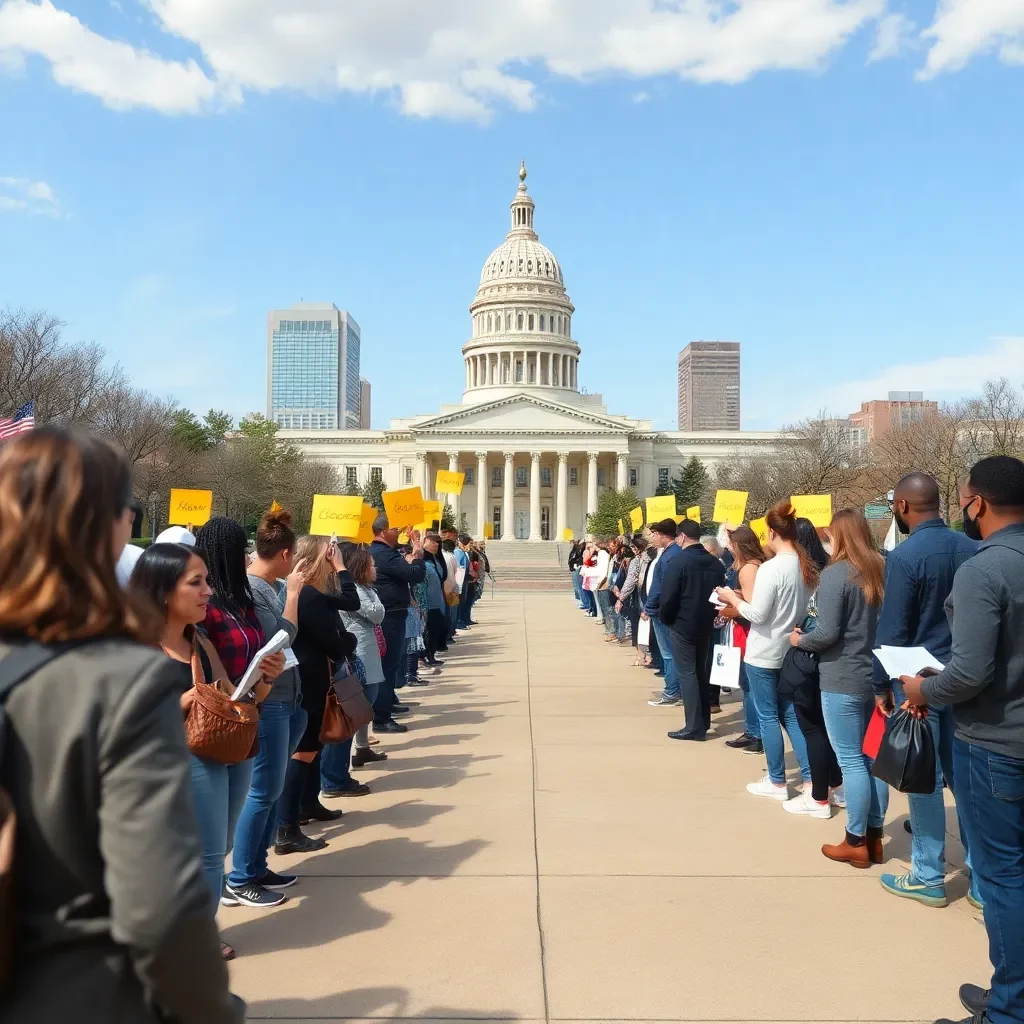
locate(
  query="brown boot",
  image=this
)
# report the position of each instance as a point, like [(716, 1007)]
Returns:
[(847, 853), (874, 845)]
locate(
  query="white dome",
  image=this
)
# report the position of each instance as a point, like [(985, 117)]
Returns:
[(522, 316)]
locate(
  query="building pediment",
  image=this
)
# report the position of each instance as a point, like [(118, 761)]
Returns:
[(521, 414)]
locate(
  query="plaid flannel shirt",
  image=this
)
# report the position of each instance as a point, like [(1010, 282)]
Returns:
[(235, 637)]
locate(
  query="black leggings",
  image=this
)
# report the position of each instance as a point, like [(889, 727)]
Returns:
[(825, 771)]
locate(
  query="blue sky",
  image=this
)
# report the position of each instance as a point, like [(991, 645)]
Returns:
[(836, 185)]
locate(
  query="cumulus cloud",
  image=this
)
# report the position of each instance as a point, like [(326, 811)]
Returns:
[(894, 35), (966, 28), (453, 58), (23, 195)]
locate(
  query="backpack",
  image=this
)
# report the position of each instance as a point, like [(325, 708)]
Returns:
[(20, 664)]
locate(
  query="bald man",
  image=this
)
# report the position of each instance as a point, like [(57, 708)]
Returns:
[(918, 580)]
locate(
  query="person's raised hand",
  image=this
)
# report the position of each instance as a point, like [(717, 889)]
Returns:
[(296, 579), (334, 559)]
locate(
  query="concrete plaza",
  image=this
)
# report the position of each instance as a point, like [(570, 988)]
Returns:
[(536, 849)]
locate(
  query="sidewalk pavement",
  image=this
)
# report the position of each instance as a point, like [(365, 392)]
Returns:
[(536, 849)]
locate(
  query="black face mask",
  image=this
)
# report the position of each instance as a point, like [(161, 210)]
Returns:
[(971, 528), (900, 524)]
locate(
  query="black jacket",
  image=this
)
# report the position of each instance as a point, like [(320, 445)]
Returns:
[(685, 588), (394, 575)]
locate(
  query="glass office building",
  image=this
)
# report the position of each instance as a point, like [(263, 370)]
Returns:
[(313, 368)]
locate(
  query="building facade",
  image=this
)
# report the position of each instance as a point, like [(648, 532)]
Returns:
[(708, 376), (364, 404), (313, 378), (875, 419), (537, 453)]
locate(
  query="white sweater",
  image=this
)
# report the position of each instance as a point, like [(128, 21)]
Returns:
[(779, 603)]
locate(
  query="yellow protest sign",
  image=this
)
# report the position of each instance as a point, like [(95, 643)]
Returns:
[(488, 531), (432, 511), (367, 514), (567, 534), (403, 538), (275, 507), (678, 519), (404, 507), (661, 508), (449, 482), (693, 512), (421, 528), (189, 507), (336, 514), (816, 507), (730, 506), (760, 528), (636, 518)]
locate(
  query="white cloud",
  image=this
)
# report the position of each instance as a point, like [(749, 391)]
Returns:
[(966, 28), (452, 58), (641, 97), (942, 378), (117, 73), (894, 35), (22, 194)]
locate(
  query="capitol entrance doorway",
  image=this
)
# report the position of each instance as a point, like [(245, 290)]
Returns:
[(522, 525)]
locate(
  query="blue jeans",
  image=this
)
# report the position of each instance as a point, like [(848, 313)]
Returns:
[(928, 810), (991, 800), (775, 713), (453, 620), (664, 635), (393, 628), (846, 721), (219, 791), (605, 610), (577, 587), (336, 758), (751, 726), (281, 728), (589, 605)]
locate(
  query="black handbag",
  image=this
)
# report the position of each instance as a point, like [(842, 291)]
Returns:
[(798, 678), (906, 756)]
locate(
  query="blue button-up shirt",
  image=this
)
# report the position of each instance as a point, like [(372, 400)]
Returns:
[(672, 552), (918, 579)]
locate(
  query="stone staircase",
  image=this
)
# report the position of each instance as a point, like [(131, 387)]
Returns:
[(526, 565)]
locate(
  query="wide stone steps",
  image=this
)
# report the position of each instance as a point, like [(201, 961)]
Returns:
[(525, 565)]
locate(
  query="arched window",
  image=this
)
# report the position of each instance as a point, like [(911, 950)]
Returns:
[(520, 266), (529, 266), (520, 321), (531, 321), (542, 321), (489, 327)]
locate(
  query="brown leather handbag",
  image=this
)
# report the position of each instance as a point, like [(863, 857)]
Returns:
[(346, 710), (216, 727)]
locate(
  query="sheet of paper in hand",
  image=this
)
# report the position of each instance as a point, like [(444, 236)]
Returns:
[(251, 676)]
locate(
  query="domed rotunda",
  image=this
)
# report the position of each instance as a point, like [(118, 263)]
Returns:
[(522, 318)]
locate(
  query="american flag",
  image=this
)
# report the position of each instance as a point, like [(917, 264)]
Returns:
[(20, 423)]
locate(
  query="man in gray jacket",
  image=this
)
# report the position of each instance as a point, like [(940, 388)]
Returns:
[(984, 681)]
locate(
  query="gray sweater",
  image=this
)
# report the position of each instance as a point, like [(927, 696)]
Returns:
[(844, 634), (270, 599), (984, 679), (360, 624)]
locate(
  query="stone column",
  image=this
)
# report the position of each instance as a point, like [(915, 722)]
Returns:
[(562, 500), (535, 533), (423, 475), (481, 493), (621, 476), (508, 526), (591, 483), (453, 499)]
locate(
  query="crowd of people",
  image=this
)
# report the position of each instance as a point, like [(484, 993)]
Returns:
[(131, 770), (800, 616)]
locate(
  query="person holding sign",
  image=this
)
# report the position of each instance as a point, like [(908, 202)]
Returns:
[(782, 589)]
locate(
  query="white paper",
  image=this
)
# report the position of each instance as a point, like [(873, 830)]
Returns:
[(643, 633), (278, 642), (906, 661), (716, 600), (290, 661)]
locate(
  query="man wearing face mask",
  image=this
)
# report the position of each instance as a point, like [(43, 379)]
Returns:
[(918, 579), (984, 682)]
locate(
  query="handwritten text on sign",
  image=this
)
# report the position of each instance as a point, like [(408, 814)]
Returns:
[(449, 482), (760, 528), (816, 507), (730, 507), (367, 514), (661, 508), (431, 511), (190, 507), (693, 512), (405, 507), (336, 514)]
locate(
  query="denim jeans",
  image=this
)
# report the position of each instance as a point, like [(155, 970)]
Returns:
[(605, 612), (393, 628), (219, 791), (928, 810), (589, 605), (775, 713), (336, 758), (281, 728), (577, 587), (453, 620), (664, 635), (867, 798), (751, 725), (990, 790)]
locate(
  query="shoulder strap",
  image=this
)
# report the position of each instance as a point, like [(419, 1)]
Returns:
[(23, 662)]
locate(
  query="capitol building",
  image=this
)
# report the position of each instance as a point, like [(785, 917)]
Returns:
[(535, 450)]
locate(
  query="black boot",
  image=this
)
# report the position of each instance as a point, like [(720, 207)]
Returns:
[(291, 839), (310, 808)]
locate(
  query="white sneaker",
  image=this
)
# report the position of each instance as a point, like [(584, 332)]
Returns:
[(838, 796), (765, 787), (806, 804)]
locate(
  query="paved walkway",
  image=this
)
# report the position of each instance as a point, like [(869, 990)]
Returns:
[(537, 850)]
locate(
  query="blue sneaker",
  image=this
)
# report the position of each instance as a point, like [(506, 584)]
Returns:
[(908, 888), (974, 897)]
